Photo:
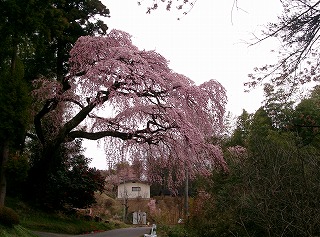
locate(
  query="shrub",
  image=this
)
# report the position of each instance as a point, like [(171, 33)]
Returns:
[(172, 231), (8, 216), (16, 174), (68, 183)]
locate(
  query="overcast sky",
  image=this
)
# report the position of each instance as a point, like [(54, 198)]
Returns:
[(211, 42)]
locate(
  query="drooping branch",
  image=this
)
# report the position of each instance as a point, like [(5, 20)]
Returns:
[(154, 109)]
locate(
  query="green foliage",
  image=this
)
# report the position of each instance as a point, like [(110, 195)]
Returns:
[(15, 231), (36, 37), (260, 127), (76, 184), (278, 105), (280, 175), (62, 24), (242, 130), (46, 30), (306, 119), (54, 222), (216, 210), (8, 217), (14, 104), (271, 191), (16, 173), (62, 223), (67, 183), (171, 231)]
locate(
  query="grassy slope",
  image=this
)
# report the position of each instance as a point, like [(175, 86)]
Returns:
[(16, 231), (31, 219)]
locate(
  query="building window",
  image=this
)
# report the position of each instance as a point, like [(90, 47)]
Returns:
[(136, 189)]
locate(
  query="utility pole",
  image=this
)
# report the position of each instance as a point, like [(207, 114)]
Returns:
[(186, 195), (124, 200)]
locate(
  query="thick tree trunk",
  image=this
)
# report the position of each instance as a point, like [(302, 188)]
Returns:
[(4, 147), (4, 155), (39, 175)]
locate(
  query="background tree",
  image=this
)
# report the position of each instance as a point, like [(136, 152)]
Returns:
[(270, 189), (217, 207), (260, 127), (36, 37), (16, 173), (70, 183), (306, 119), (241, 133), (298, 31), (14, 92), (14, 102), (279, 105), (63, 24)]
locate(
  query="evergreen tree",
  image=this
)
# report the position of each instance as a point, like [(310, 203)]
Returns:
[(36, 37)]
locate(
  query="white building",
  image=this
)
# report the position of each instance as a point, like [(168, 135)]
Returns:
[(132, 189)]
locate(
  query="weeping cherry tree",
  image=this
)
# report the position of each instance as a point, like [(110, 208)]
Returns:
[(133, 100)]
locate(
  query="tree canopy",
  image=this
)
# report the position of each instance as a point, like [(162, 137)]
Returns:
[(132, 98)]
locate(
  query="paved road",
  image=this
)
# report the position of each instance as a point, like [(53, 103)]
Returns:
[(125, 232)]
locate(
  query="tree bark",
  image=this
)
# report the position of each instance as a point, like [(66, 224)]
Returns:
[(4, 147), (4, 155)]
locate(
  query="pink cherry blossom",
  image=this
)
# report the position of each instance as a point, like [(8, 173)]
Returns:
[(133, 100)]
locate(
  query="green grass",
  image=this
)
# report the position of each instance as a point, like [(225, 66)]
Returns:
[(16, 231), (63, 224), (31, 219)]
